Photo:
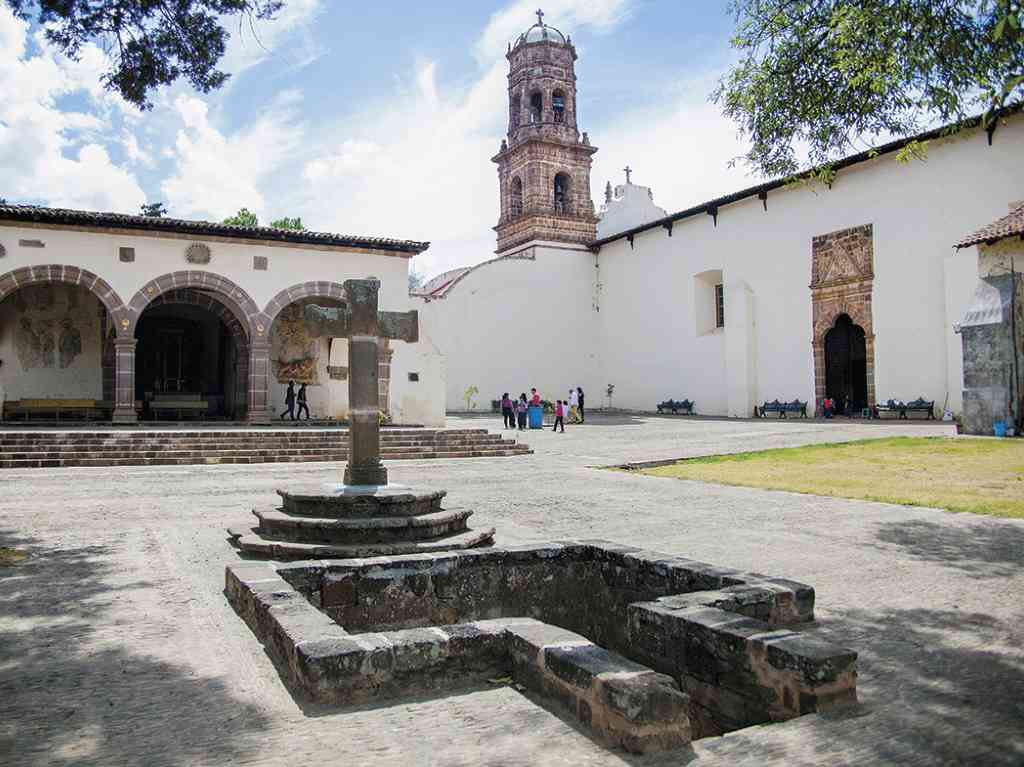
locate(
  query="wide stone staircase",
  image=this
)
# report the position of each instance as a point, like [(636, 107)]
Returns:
[(40, 449)]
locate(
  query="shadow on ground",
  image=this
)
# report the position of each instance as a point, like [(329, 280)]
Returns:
[(989, 550), (70, 697)]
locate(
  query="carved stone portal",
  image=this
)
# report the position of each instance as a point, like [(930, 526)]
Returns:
[(842, 279)]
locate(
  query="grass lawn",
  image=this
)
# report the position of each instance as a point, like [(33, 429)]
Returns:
[(983, 476)]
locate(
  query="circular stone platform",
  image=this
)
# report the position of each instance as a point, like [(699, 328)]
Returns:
[(340, 521)]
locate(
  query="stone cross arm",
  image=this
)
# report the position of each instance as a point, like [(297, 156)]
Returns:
[(330, 322)]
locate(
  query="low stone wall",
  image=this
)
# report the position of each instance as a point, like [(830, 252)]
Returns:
[(584, 623)]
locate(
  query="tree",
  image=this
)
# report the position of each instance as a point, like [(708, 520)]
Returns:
[(244, 217), (289, 223), (150, 42), (416, 280), (153, 209), (825, 74)]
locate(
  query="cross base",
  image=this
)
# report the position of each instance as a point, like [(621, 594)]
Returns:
[(366, 475)]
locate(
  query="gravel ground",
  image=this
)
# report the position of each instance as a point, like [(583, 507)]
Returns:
[(118, 646)]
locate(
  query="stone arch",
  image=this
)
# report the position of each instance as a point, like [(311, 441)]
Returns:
[(230, 294), (71, 275), (228, 312), (295, 293)]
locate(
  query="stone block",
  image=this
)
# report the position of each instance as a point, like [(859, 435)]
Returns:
[(643, 697), (580, 664), (339, 590)]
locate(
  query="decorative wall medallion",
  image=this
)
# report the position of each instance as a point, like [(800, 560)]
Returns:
[(124, 324), (127, 255), (3, 251), (259, 263), (198, 253)]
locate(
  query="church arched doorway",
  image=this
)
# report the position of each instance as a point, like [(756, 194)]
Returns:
[(191, 360), (846, 372)]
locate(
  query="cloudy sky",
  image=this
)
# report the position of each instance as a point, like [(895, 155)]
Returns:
[(372, 118)]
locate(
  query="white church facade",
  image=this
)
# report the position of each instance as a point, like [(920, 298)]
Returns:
[(782, 291), (120, 317)]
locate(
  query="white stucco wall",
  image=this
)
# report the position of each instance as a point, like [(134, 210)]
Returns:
[(495, 326), (155, 256), (631, 205), (514, 324)]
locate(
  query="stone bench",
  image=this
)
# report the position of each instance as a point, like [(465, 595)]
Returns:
[(58, 409)]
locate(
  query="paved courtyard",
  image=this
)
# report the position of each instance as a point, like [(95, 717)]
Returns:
[(118, 646)]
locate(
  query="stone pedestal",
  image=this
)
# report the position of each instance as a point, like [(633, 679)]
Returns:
[(320, 521)]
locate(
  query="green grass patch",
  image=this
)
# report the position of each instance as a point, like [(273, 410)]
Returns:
[(980, 476)]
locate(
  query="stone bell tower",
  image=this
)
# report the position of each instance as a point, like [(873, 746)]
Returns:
[(544, 164)]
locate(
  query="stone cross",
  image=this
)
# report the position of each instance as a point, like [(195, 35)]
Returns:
[(363, 325), (628, 171), (540, 17)]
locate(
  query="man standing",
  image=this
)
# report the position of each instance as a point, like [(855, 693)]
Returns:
[(302, 402), (579, 393), (289, 401)]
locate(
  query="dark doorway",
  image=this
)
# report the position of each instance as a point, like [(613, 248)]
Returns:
[(186, 356), (846, 366)]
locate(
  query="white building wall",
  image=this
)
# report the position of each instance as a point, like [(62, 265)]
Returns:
[(513, 324), (644, 325)]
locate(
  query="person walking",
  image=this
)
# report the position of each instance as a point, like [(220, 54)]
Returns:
[(521, 408), (579, 393), (559, 416), (289, 401), (508, 416), (303, 405), (574, 406)]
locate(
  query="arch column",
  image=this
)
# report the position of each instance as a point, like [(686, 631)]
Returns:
[(259, 381), (124, 380)]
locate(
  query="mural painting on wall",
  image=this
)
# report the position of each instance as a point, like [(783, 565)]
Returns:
[(40, 339), (297, 352)]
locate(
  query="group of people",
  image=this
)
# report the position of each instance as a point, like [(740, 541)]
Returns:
[(514, 411), (290, 398)]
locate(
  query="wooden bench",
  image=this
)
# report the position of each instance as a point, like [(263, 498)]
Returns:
[(184, 405), (783, 408), (901, 408), (56, 409), (685, 407)]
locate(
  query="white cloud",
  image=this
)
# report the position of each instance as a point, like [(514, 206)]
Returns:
[(251, 45), (217, 174), (49, 154)]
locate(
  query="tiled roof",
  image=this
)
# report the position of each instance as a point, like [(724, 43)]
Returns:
[(199, 229), (1010, 225)]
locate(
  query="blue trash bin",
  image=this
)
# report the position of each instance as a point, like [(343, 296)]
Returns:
[(999, 427), (536, 417)]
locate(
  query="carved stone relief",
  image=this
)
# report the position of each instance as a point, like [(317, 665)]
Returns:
[(198, 253)]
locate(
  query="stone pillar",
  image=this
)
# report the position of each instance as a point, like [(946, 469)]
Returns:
[(259, 382), (384, 375), (124, 380), (364, 466)]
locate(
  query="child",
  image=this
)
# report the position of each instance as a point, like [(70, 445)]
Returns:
[(574, 402), (521, 408), (559, 416)]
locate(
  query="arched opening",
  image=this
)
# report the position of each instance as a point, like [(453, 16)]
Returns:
[(515, 105), (536, 107), (192, 358), (562, 193), (558, 106), (515, 207), (846, 376), (52, 347)]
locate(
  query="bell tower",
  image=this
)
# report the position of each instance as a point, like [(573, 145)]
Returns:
[(544, 165)]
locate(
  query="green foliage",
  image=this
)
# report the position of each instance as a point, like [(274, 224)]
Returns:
[(153, 209), (294, 224), (149, 43), (244, 217), (416, 280), (824, 74)]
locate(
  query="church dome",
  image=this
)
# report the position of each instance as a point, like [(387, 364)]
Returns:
[(541, 32)]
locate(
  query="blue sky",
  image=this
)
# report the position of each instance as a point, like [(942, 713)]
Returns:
[(374, 119)]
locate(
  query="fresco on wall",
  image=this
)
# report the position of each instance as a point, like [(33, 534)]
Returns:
[(33, 342), (41, 340), (296, 353), (70, 345)]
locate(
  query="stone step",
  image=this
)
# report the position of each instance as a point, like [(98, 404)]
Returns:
[(280, 526), (114, 444), (254, 543), (38, 463), (324, 501)]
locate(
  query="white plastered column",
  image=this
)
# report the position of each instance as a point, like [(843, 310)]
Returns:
[(740, 349)]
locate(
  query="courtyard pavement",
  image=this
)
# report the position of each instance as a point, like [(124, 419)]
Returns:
[(118, 647)]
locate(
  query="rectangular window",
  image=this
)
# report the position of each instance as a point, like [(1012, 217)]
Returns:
[(719, 306)]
